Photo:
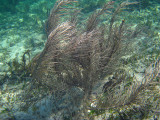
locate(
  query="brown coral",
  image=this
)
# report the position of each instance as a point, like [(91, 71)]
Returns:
[(72, 58)]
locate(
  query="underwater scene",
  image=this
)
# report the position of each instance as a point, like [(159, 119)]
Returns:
[(79, 60)]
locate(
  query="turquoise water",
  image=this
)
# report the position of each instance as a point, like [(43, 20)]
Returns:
[(88, 75)]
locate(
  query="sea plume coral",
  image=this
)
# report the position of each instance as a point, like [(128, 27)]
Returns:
[(137, 97), (72, 58)]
